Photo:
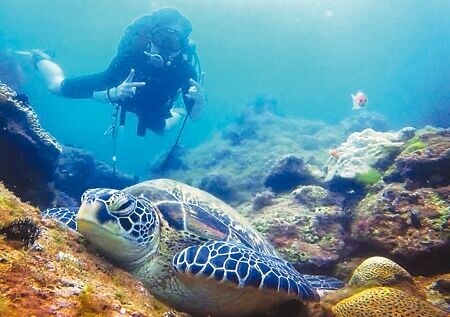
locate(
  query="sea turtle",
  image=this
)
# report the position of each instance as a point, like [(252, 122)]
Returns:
[(189, 249)]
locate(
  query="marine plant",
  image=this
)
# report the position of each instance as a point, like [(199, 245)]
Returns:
[(368, 178), (414, 144), (87, 301), (443, 209)]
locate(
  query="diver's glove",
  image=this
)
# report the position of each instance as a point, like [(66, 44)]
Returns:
[(126, 90), (196, 93)]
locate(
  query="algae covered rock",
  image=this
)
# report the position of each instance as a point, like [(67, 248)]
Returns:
[(287, 172), (410, 226), (311, 195), (425, 162), (312, 239)]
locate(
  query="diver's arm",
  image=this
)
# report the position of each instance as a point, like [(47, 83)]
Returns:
[(106, 87), (82, 87)]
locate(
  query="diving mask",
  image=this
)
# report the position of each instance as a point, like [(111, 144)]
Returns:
[(168, 40)]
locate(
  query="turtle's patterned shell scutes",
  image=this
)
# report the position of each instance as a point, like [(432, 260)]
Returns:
[(378, 270), (384, 302), (186, 208)]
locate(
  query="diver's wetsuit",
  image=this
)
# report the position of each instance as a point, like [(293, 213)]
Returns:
[(151, 102)]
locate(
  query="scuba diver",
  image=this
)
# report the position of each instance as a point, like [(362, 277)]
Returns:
[(155, 62)]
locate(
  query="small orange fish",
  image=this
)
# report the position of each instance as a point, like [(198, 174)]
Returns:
[(334, 153), (359, 100)]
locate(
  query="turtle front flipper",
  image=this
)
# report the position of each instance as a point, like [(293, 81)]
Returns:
[(65, 216), (243, 267)]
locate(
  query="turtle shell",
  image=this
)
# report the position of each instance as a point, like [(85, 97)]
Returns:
[(188, 208)]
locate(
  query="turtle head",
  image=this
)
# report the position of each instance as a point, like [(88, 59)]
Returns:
[(124, 228)]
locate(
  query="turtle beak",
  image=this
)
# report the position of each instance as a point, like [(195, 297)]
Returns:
[(96, 213)]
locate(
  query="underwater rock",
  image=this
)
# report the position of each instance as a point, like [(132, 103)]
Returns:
[(220, 184), (358, 160), (438, 291), (262, 199), (29, 158), (425, 162), (313, 241), (311, 195), (411, 227), (78, 170), (287, 172)]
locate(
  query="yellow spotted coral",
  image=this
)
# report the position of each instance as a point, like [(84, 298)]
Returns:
[(378, 270), (384, 302)]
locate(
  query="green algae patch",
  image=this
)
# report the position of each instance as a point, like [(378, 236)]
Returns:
[(368, 178), (415, 144)]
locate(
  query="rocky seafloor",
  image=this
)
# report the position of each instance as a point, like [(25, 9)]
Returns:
[(326, 196)]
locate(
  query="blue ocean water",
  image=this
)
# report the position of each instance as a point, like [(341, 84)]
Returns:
[(311, 55)]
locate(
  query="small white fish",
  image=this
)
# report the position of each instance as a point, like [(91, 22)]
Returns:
[(359, 100)]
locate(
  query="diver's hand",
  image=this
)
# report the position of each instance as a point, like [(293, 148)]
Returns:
[(197, 94), (125, 90)]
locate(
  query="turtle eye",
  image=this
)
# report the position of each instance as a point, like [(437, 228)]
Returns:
[(121, 204)]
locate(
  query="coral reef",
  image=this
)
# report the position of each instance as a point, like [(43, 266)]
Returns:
[(58, 277), (28, 164), (359, 158), (323, 232), (36, 168), (240, 150)]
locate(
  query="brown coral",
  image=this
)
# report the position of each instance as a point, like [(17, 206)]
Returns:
[(378, 270), (384, 302)]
